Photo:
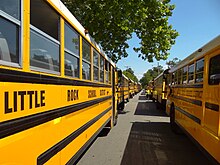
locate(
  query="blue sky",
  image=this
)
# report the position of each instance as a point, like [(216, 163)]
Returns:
[(197, 21)]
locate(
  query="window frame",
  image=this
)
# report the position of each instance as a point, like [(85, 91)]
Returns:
[(18, 24), (85, 60), (191, 81), (200, 72), (210, 71), (96, 66), (73, 54)]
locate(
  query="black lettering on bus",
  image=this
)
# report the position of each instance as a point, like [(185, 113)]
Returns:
[(91, 93), (30, 93), (36, 101), (72, 95), (22, 93), (15, 102), (42, 96), (7, 109)]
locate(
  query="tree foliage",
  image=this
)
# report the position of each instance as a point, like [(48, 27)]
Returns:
[(130, 74), (112, 23), (173, 62), (150, 75)]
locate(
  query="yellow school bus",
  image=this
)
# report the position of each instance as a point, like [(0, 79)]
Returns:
[(194, 97), (131, 88), (121, 90), (57, 87), (160, 88)]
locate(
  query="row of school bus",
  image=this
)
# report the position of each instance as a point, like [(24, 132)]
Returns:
[(190, 94), (58, 88)]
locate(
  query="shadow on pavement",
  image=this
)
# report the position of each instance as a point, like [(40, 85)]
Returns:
[(153, 143), (148, 109), (142, 98), (123, 112)]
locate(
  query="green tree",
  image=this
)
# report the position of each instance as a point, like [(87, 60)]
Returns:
[(150, 75), (130, 74), (112, 22), (173, 62)]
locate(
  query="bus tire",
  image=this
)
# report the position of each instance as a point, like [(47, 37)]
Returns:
[(173, 125)]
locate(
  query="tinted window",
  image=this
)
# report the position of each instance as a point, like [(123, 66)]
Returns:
[(45, 18), (96, 74), (9, 41), (86, 50), (199, 71), (71, 65), (11, 7), (95, 65), (214, 70), (101, 69), (184, 75), (86, 71), (71, 40), (179, 76), (191, 73), (200, 65), (44, 53), (95, 58)]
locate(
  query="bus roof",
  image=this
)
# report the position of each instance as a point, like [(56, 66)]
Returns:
[(166, 71), (63, 10), (198, 54)]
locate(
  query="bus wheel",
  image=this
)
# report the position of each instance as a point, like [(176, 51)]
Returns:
[(174, 127)]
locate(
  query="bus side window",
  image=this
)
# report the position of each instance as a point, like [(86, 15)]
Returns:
[(71, 53), (9, 41), (44, 37), (101, 69), (191, 73), (184, 78), (4, 50), (214, 70), (95, 65), (199, 70), (86, 52)]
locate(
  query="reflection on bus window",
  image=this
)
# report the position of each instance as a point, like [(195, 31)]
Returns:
[(95, 66), (101, 69), (48, 23), (11, 7), (214, 70), (199, 71), (191, 74), (9, 41), (86, 71), (44, 53), (71, 65)]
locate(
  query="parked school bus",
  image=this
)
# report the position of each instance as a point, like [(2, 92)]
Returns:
[(57, 87), (122, 90), (139, 87), (194, 97), (131, 88), (160, 88)]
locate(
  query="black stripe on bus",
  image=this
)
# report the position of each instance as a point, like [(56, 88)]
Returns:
[(212, 106), (188, 86), (75, 158), (193, 101), (194, 118), (7, 75), (44, 157), (13, 126)]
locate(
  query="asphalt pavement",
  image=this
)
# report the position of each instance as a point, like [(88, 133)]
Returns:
[(142, 136)]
